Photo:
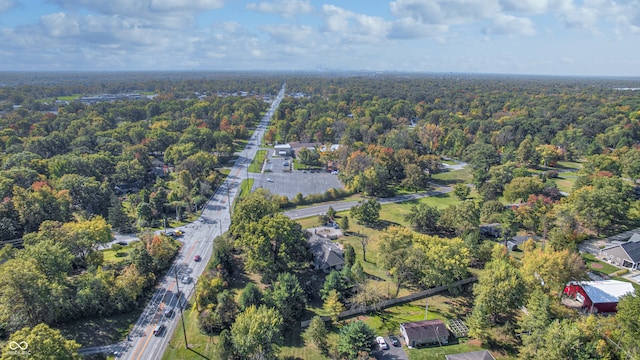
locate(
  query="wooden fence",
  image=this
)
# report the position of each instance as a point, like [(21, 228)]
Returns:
[(392, 302)]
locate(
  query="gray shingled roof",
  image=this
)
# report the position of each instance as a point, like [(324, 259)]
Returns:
[(426, 329), (474, 355), (633, 249)]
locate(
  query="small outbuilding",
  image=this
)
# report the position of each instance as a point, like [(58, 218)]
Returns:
[(474, 355), (424, 333), (598, 296)]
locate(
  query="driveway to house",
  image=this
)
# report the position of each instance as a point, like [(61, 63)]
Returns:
[(394, 353)]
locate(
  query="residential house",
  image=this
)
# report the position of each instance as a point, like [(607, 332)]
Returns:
[(474, 355), (598, 296), (626, 254), (517, 241), (327, 255), (424, 333)]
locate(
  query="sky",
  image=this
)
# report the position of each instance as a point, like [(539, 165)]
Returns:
[(545, 37)]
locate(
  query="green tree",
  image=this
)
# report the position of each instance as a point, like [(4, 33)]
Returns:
[(629, 327), (331, 213), (256, 333), (354, 338), (461, 218), (274, 244), (366, 212), (526, 153), (344, 224), (499, 289), (521, 187), (461, 191), (287, 297), (423, 218), (415, 178), (538, 315), (317, 334), (53, 259), (42, 343), (250, 295), (224, 347), (349, 255), (334, 281), (251, 209), (333, 305)]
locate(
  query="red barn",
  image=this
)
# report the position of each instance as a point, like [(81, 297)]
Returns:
[(598, 296)]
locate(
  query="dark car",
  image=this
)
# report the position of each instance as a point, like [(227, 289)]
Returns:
[(394, 340), (168, 312), (197, 258), (158, 330)]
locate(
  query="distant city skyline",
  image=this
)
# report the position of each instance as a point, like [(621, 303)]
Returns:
[(529, 37)]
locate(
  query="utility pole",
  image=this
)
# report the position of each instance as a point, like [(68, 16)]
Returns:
[(184, 329), (426, 308)]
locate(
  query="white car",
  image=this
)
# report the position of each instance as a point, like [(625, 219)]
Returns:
[(269, 180), (381, 343)]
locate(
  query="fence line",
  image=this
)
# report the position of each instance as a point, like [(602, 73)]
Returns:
[(392, 302)]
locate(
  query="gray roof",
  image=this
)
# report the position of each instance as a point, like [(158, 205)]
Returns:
[(474, 355), (635, 237), (325, 252), (426, 329), (632, 248)]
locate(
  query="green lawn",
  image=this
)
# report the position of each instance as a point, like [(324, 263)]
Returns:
[(452, 177), (199, 343), (565, 181), (113, 257), (602, 267), (396, 212), (569, 165), (256, 163), (245, 187)]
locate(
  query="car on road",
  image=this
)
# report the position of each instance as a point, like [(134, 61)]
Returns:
[(394, 340), (269, 179), (122, 243), (158, 330), (197, 258), (185, 279), (168, 312), (381, 343)]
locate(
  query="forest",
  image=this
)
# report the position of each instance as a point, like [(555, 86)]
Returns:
[(73, 173)]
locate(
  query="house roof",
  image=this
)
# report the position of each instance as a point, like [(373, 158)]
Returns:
[(606, 291), (325, 252), (474, 355), (426, 329), (635, 237), (632, 248)]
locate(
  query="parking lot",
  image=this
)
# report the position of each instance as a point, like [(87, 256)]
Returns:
[(279, 181)]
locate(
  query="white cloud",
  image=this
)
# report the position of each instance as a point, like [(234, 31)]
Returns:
[(288, 34), (446, 12), (510, 25), (410, 28), (354, 26), (6, 5), (286, 8)]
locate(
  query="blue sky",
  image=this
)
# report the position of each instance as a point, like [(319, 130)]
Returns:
[(552, 37)]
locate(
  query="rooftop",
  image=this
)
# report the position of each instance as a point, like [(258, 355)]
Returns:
[(606, 291)]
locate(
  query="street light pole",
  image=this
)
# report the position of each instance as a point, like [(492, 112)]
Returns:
[(184, 329)]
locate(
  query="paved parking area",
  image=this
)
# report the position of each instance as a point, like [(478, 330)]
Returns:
[(281, 182), (394, 353)]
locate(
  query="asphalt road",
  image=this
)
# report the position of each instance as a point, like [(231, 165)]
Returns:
[(339, 206), (197, 240)]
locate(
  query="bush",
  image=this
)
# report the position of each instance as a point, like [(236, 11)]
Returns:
[(620, 272), (552, 174)]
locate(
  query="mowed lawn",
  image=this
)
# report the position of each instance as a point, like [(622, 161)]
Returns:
[(256, 164)]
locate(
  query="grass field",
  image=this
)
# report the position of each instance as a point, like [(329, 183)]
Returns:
[(245, 187), (256, 163), (569, 165), (199, 344), (113, 257), (565, 181), (600, 267), (452, 177)]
